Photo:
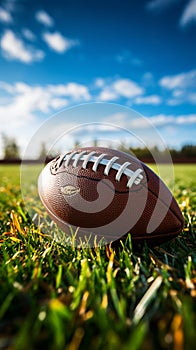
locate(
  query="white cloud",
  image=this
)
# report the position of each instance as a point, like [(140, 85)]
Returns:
[(120, 88), (27, 100), (57, 42), (184, 97), (5, 16), (6, 87), (192, 98), (164, 119), (108, 94), (119, 118), (57, 103), (127, 57), (152, 100), (189, 14), (182, 87), (76, 92), (44, 18), (127, 88), (123, 120), (154, 130), (179, 81), (99, 82), (14, 48), (159, 120), (148, 79), (25, 105), (10, 5), (186, 119), (159, 5), (28, 34)]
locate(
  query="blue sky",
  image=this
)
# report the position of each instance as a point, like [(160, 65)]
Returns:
[(136, 54)]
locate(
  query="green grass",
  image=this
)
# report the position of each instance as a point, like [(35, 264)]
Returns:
[(55, 297)]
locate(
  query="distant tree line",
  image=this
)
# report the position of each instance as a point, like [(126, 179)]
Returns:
[(11, 152), (185, 152), (10, 148)]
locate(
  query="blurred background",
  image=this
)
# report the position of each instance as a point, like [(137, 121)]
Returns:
[(59, 54)]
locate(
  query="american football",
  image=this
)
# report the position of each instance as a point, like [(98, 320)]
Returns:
[(106, 193)]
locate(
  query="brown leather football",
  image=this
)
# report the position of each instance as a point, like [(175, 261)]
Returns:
[(105, 193)]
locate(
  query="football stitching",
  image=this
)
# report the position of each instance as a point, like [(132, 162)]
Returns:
[(135, 177), (77, 156)]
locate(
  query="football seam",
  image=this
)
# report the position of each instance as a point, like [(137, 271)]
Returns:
[(99, 179), (148, 238), (173, 233), (125, 192), (133, 176)]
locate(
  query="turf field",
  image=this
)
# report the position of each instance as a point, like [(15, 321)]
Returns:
[(54, 297)]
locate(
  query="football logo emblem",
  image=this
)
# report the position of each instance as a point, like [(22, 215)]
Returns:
[(69, 190)]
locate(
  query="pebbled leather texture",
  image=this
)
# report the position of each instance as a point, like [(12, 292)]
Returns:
[(91, 200)]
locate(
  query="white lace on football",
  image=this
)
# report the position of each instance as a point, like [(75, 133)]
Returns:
[(77, 158), (134, 176), (70, 157), (88, 158)]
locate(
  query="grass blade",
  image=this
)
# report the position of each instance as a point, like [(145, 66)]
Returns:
[(146, 299)]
